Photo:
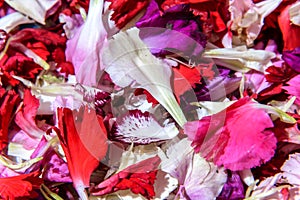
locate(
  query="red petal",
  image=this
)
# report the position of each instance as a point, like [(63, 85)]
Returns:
[(272, 90), (235, 138), (279, 74), (14, 63), (82, 3), (83, 141), (125, 10), (25, 118), (59, 55), (66, 67), (40, 49), (192, 75), (8, 103), (19, 186), (290, 32), (186, 78), (150, 98), (41, 35), (139, 178)]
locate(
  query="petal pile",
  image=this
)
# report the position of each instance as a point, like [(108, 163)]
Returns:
[(149, 99)]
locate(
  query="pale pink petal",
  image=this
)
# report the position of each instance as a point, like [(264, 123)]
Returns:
[(83, 50)]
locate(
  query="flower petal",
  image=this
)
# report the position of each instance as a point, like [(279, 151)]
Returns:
[(143, 128), (83, 139), (236, 137)]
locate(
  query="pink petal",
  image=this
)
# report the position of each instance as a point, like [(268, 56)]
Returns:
[(83, 50), (293, 88), (235, 138), (25, 118)]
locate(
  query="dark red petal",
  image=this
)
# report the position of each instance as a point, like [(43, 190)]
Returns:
[(279, 74), (59, 55), (66, 67), (40, 49), (3, 39), (9, 101), (41, 35), (139, 178)]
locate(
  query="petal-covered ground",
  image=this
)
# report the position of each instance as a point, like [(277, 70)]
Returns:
[(149, 99)]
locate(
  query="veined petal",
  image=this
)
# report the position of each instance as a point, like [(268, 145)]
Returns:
[(143, 128), (10, 21), (128, 60), (236, 138), (198, 178), (84, 49), (241, 58)]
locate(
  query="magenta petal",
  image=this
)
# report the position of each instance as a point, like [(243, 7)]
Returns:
[(292, 58), (235, 138), (57, 170), (176, 30), (293, 88)]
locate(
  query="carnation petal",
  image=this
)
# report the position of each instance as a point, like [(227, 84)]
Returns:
[(235, 138), (143, 128), (83, 139)]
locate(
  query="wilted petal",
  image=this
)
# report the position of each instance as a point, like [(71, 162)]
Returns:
[(240, 58), (139, 178), (10, 21), (38, 10), (249, 16)]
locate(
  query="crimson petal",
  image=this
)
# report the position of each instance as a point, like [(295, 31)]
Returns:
[(139, 178)]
